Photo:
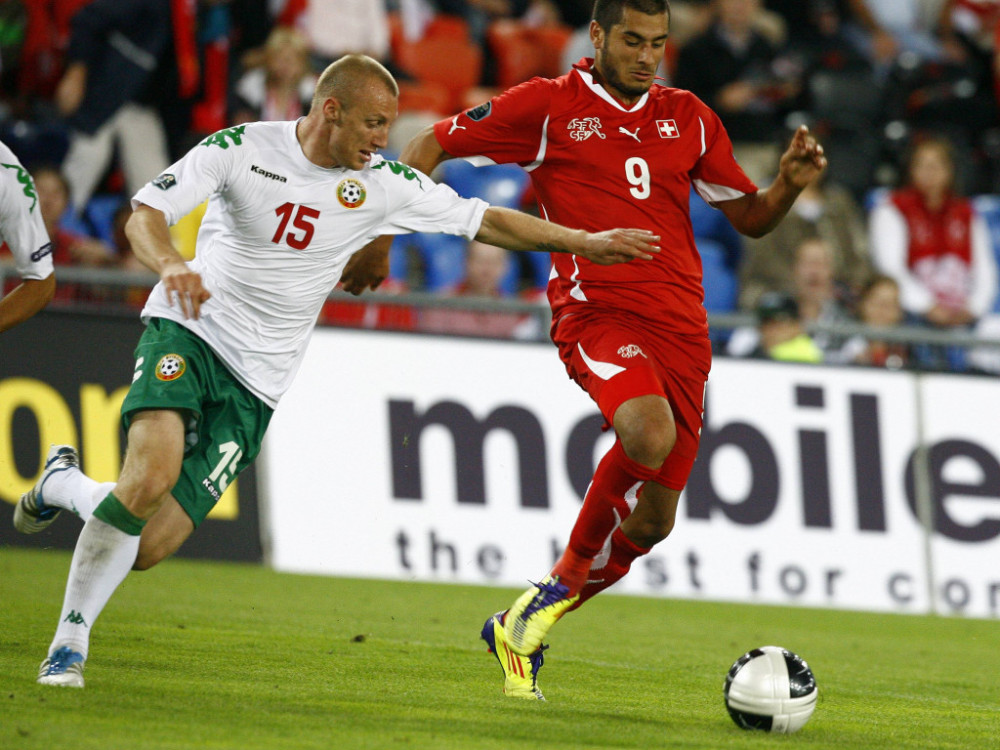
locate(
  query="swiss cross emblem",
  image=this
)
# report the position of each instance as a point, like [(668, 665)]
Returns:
[(667, 129)]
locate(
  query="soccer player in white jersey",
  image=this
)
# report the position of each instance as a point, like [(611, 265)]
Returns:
[(289, 203), (23, 231)]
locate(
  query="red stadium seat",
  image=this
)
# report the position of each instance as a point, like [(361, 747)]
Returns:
[(425, 96), (444, 56), (523, 52)]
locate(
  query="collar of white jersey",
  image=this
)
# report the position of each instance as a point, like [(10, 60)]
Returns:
[(584, 69)]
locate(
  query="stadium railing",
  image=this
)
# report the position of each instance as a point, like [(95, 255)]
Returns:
[(721, 324)]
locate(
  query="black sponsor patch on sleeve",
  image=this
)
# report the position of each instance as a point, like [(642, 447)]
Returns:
[(481, 112), (165, 181)]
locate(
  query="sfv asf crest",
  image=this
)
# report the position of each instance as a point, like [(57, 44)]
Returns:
[(581, 128)]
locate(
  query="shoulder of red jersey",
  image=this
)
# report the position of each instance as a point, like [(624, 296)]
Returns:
[(678, 98)]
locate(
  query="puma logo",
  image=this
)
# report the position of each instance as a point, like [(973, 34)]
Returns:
[(455, 126), (630, 134)]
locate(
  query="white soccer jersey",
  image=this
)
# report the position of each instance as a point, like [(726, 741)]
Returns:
[(21, 225), (276, 235)]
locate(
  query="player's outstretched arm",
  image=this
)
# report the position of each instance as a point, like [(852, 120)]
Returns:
[(149, 234), (27, 298), (515, 230), (757, 214)]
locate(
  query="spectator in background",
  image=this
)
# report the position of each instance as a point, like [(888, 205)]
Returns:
[(338, 27), (886, 29), (824, 210), (281, 88), (819, 37), (934, 243), (42, 56), (782, 334), (879, 307), (69, 248), (815, 294), (486, 268), (735, 69), (127, 62)]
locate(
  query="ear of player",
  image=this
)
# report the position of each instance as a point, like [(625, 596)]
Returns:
[(770, 689)]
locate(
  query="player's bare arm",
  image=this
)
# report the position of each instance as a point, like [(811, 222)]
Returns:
[(516, 230), (30, 296), (758, 213), (149, 234), (369, 267)]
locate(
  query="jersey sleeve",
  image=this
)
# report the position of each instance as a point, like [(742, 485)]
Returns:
[(21, 224), (415, 203), (199, 174), (508, 128), (717, 176)]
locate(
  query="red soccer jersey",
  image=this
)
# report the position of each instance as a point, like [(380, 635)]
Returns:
[(596, 165)]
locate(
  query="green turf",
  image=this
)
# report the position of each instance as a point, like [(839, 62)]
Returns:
[(209, 655)]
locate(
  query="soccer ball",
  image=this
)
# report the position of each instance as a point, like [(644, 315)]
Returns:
[(770, 689)]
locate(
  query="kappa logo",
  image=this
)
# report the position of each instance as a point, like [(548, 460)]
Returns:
[(170, 367), (351, 193), (581, 128), (264, 173), (667, 129), (28, 187), (631, 350)]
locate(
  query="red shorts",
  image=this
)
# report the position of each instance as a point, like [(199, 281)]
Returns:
[(615, 358)]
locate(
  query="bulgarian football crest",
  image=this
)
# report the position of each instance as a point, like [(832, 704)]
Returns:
[(170, 367), (351, 193)]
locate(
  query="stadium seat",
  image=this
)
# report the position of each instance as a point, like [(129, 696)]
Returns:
[(988, 207), (99, 214), (522, 52), (541, 268), (443, 257), (721, 284), (444, 55), (497, 184), (845, 99), (424, 96)]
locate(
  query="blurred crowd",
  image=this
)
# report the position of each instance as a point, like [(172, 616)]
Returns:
[(97, 97)]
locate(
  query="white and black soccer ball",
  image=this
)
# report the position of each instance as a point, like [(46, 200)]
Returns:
[(770, 689)]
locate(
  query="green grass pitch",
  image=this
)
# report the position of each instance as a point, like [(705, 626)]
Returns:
[(210, 655)]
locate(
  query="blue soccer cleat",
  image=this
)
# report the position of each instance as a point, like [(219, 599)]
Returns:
[(64, 668)]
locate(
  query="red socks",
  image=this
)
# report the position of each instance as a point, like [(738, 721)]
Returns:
[(623, 552), (603, 509)]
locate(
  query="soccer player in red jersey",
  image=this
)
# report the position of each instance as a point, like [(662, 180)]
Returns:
[(605, 146)]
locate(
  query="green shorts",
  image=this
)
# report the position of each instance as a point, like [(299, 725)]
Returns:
[(174, 369)]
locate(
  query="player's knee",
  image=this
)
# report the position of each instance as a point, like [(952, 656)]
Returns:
[(649, 441), (141, 495)]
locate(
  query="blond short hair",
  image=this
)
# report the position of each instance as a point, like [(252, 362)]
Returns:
[(345, 78)]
